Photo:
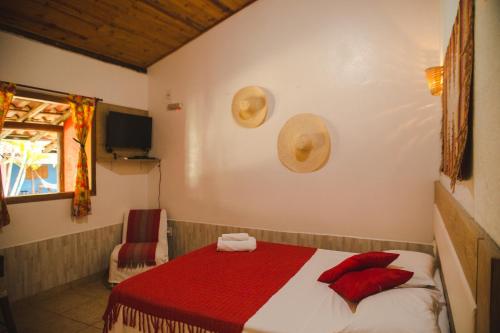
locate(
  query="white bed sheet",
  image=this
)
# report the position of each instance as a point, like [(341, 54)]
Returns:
[(304, 305)]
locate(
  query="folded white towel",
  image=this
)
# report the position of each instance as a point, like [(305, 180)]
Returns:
[(249, 245), (235, 237)]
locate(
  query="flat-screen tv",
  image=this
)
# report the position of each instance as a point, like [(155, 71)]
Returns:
[(128, 131)]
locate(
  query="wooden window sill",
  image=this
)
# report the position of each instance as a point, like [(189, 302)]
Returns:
[(40, 197)]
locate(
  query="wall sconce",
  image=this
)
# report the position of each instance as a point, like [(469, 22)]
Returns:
[(434, 77)]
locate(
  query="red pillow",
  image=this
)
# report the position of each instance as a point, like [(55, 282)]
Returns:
[(355, 286), (357, 263)]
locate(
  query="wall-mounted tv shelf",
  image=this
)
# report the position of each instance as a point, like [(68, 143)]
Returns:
[(129, 159), (136, 159)]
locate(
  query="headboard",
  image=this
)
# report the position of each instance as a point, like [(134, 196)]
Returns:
[(470, 262)]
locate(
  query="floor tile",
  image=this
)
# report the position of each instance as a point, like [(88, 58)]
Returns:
[(91, 329), (88, 313), (59, 325), (28, 318), (63, 302), (93, 289), (99, 324), (74, 309)]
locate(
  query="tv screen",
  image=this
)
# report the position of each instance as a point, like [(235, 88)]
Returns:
[(128, 131)]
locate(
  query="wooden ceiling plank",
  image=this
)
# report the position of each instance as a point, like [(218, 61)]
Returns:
[(235, 5), (131, 33), (185, 19), (63, 9), (121, 53), (207, 7), (102, 56), (184, 7), (222, 6), (61, 35), (144, 49), (154, 33), (166, 22), (97, 12), (48, 17), (59, 40), (248, 2)]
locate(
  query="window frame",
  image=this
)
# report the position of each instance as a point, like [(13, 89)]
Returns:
[(48, 127)]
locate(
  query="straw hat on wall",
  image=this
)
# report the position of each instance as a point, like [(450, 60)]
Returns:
[(250, 106), (304, 143)]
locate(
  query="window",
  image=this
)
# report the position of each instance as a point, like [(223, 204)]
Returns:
[(39, 155)]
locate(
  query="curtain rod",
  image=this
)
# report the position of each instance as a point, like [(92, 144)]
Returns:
[(52, 91)]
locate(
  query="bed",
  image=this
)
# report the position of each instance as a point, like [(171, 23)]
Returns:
[(273, 289)]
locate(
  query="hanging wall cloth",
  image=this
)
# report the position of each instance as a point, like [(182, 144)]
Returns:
[(7, 92), (82, 110), (457, 92)]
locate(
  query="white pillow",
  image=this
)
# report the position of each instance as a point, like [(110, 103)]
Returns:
[(403, 310), (421, 264)]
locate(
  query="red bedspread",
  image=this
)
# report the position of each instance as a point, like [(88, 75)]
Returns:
[(206, 289)]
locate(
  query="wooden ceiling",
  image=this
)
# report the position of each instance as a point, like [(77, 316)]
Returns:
[(131, 33)]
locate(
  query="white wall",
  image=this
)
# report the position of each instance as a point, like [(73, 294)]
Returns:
[(32, 63), (481, 194), (358, 64), (487, 117)]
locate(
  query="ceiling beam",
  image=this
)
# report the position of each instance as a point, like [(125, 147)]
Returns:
[(31, 113), (56, 121), (49, 147), (62, 118)]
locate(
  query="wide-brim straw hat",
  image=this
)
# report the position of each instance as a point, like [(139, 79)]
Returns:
[(304, 143), (250, 106)]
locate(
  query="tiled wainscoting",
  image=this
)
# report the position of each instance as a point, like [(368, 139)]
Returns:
[(188, 236), (38, 266)]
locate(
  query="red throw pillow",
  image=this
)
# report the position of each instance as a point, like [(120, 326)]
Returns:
[(355, 286), (357, 263)]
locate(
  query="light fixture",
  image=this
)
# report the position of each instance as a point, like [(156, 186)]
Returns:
[(174, 106), (434, 77)]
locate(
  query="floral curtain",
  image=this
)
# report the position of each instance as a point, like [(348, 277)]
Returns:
[(82, 110), (7, 92)]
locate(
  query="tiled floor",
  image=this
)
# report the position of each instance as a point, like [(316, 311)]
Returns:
[(77, 307)]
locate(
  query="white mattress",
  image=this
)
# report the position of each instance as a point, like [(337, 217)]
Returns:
[(302, 306)]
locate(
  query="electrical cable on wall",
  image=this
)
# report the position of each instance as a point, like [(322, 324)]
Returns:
[(159, 183)]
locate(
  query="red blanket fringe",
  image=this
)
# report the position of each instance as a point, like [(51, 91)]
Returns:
[(145, 322)]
